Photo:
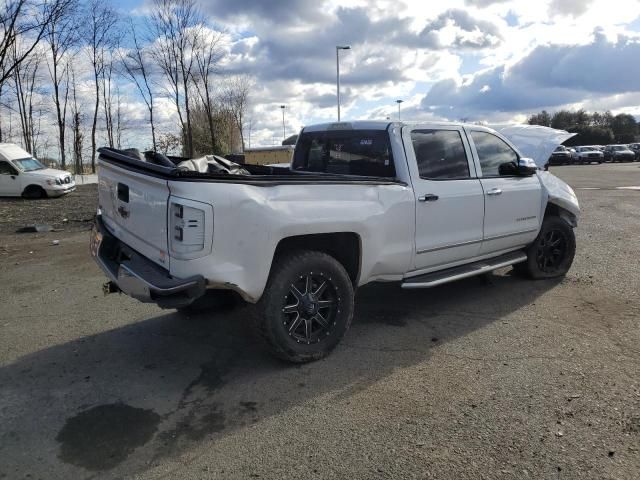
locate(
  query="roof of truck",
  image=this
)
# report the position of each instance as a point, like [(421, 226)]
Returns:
[(379, 125)]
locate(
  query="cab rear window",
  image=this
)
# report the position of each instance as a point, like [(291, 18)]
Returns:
[(347, 152)]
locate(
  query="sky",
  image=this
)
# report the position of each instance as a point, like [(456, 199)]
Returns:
[(493, 61)]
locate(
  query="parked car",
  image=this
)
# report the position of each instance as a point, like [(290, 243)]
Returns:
[(418, 204), (618, 153), (635, 148), (589, 154), (561, 156), (21, 174)]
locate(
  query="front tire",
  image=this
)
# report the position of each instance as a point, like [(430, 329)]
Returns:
[(307, 306), (552, 252), (34, 192)]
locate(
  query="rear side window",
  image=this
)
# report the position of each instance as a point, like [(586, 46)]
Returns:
[(440, 154), (347, 152), (492, 152)]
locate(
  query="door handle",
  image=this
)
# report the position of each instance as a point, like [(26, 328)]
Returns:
[(494, 191), (429, 197)]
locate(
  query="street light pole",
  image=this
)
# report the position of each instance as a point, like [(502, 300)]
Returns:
[(399, 102), (283, 134), (338, 48)]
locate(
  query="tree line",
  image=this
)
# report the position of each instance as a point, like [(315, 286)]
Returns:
[(171, 53), (592, 128)]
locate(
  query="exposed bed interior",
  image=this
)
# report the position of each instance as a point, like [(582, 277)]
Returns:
[(216, 168)]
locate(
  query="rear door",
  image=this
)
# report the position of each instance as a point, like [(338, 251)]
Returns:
[(513, 204), (134, 209), (449, 197)]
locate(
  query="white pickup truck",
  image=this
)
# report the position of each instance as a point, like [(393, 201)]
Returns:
[(419, 204)]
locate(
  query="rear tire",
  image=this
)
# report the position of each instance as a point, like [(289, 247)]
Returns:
[(34, 191), (551, 254), (307, 306)]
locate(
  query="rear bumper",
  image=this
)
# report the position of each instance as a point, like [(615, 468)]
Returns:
[(139, 277)]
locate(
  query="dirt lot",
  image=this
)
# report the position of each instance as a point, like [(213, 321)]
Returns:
[(492, 377), (70, 213)]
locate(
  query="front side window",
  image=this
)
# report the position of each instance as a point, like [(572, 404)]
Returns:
[(492, 153), (440, 154), (347, 152), (6, 169), (29, 164)]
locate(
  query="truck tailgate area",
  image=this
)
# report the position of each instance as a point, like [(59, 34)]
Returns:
[(134, 209)]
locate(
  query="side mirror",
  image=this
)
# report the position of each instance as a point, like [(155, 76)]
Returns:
[(526, 167)]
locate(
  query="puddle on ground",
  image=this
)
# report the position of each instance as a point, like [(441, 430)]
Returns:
[(104, 436)]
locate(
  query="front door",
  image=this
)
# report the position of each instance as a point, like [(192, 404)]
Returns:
[(513, 204), (449, 197), (9, 180)]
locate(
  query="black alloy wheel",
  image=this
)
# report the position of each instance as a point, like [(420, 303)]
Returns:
[(310, 308), (306, 307), (551, 251)]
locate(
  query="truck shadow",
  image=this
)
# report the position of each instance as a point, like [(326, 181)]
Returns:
[(122, 400)]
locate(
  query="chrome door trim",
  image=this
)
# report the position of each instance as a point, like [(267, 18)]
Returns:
[(506, 235), (453, 245), (471, 242)]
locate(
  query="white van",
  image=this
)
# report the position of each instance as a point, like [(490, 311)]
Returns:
[(21, 174)]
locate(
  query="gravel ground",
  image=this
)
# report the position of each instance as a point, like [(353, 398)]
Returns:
[(69, 213), (490, 377)]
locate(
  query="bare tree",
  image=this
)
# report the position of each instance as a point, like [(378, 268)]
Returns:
[(25, 81), (136, 67), (76, 126), (100, 36), (106, 79), (120, 123), (207, 55), (176, 26), (235, 97), (168, 142), (61, 35), (24, 22)]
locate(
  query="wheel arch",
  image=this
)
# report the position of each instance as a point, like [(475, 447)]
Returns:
[(33, 186), (554, 209), (345, 247)]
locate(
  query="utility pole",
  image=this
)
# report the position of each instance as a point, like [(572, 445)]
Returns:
[(338, 48), (399, 102), (283, 130)]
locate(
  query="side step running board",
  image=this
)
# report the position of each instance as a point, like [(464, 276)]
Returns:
[(456, 273)]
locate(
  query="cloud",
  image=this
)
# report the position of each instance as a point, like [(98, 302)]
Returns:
[(551, 75), (459, 29), (483, 3), (599, 67), (574, 8), (278, 11)]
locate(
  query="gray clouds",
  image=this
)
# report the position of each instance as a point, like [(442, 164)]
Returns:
[(306, 53), (549, 75), (569, 7)]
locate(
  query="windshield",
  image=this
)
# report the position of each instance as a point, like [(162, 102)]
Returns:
[(349, 152), (28, 164)]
